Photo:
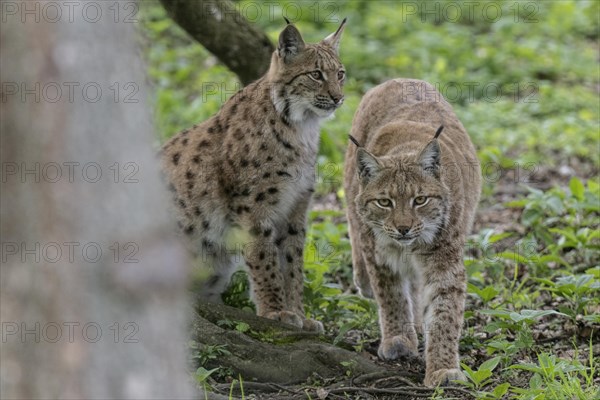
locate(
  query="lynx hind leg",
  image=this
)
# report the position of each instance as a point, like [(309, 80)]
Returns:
[(266, 277), (221, 269)]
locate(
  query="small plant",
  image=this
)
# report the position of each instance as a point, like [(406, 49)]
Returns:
[(201, 376), (486, 294), (558, 379), (513, 320), (206, 354), (578, 289), (349, 366), (233, 383), (239, 326), (482, 377)]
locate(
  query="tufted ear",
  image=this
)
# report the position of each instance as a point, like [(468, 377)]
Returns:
[(429, 159), (368, 166), (333, 40), (290, 42)]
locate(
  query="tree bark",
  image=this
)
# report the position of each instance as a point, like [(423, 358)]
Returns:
[(222, 30), (92, 283)]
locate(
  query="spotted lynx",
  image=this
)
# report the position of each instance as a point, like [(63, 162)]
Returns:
[(411, 201), (244, 178)]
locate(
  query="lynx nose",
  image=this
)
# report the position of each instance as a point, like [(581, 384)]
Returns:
[(337, 100), (402, 229)]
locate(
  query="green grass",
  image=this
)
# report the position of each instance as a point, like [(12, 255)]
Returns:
[(526, 87)]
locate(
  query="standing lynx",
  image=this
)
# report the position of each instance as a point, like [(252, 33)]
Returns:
[(244, 178), (411, 201)]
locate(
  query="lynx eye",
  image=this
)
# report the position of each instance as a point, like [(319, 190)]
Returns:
[(316, 75), (384, 203), (341, 75), (420, 200)]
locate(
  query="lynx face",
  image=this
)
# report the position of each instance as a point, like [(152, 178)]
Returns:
[(403, 200), (308, 78)]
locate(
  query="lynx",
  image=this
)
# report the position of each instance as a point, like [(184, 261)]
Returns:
[(243, 179), (412, 192)]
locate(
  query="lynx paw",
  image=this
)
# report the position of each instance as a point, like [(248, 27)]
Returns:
[(313, 326), (443, 377), (285, 317), (396, 347)]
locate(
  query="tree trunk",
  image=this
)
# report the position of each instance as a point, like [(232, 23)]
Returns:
[(222, 30), (92, 299)]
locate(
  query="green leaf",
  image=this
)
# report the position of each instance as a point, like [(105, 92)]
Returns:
[(526, 367), (594, 318), (242, 327), (511, 255), (499, 236), (536, 381), (577, 188), (593, 187), (468, 371), (481, 375), (202, 374), (490, 364), (501, 390), (530, 315), (556, 205), (517, 203), (343, 330), (529, 217), (500, 313), (488, 293)]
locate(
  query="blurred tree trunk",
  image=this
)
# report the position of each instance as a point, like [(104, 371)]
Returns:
[(222, 30), (93, 300)]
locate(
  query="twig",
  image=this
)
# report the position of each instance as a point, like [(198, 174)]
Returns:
[(407, 391), (371, 377), (374, 376), (395, 378), (404, 390), (258, 386)]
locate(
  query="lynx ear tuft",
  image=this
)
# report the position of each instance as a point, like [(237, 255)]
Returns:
[(333, 40), (439, 131), (368, 166), (286, 20), (353, 140), (290, 43)]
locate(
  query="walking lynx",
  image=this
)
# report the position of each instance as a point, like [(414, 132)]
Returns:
[(411, 201), (244, 178)]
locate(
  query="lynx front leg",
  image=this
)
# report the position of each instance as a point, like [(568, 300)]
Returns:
[(291, 250), (443, 323), (417, 302), (398, 335), (262, 258), (359, 268)]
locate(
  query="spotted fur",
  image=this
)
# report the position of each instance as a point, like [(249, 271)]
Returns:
[(243, 179), (411, 202)]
